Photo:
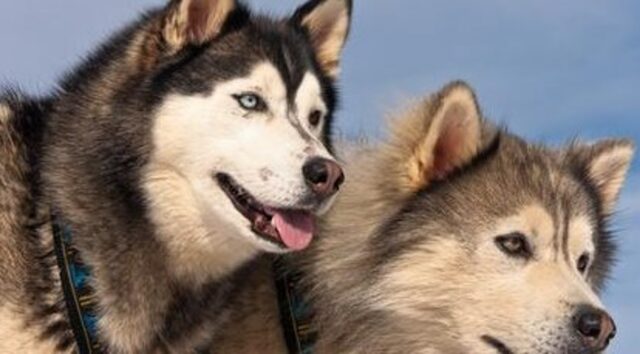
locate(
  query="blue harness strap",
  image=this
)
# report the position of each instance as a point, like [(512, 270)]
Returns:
[(78, 293), (296, 316)]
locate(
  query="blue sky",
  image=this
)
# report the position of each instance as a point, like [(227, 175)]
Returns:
[(550, 70)]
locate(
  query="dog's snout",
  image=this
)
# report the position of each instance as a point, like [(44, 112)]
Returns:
[(595, 327), (324, 176)]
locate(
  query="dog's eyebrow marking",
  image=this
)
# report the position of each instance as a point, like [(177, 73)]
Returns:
[(565, 233), (556, 232), (288, 62)]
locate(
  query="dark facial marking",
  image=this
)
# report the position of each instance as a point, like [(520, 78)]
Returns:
[(308, 138), (497, 344), (565, 233), (583, 263)]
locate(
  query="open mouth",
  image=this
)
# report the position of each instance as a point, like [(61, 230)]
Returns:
[(497, 344), (288, 229)]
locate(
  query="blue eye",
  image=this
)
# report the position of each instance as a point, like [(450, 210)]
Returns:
[(251, 102)]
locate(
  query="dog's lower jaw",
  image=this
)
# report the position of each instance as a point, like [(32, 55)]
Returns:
[(199, 266), (200, 248)]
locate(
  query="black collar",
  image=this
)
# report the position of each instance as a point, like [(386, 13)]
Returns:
[(296, 315), (76, 286)]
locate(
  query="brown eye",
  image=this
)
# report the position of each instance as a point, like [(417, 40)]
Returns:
[(514, 245), (583, 263), (314, 118)]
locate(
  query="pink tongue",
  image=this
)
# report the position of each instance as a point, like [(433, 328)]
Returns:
[(295, 228)]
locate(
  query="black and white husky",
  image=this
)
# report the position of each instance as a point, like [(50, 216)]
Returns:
[(133, 199)]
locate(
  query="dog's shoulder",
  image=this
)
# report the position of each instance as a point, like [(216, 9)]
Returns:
[(14, 164), (21, 131), (20, 134)]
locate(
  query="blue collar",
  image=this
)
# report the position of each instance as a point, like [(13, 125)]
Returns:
[(76, 286), (296, 315)]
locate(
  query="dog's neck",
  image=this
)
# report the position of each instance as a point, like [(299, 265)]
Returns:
[(144, 304), (200, 248), (142, 308), (334, 268)]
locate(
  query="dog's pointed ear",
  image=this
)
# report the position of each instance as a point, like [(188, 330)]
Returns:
[(437, 136), (605, 165), (194, 22), (327, 24)]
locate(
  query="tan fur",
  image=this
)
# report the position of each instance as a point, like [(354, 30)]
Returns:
[(5, 113), (18, 337), (328, 34), (245, 332), (184, 26), (555, 283), (418, 146), (455, 131), (179, 221), (608, 170)]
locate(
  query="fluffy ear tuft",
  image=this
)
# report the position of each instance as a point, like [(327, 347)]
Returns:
[(606, 164), (327, 23), (438, 136), (195, 22)]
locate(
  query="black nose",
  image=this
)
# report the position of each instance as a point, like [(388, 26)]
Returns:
[(324, 176), (595, 327)]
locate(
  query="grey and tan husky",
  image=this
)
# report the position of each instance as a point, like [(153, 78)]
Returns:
[(190, 142), (454, 236)]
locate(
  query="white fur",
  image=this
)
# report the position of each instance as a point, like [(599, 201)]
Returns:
[(197, 137)]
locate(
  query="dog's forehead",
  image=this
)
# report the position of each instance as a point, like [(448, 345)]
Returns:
[(268, 79), (237, 54), (532, 188), (500, 186)]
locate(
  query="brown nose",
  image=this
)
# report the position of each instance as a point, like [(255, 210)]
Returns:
[(323, 176), (595, 327)]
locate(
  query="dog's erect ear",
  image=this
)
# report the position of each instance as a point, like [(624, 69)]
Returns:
[(327, 23), (194, 22), (437, 136), (606, 164)]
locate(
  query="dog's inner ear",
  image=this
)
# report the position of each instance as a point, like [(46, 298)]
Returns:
[(607, 163), (327, 23), (195, 22), (450, 136)]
